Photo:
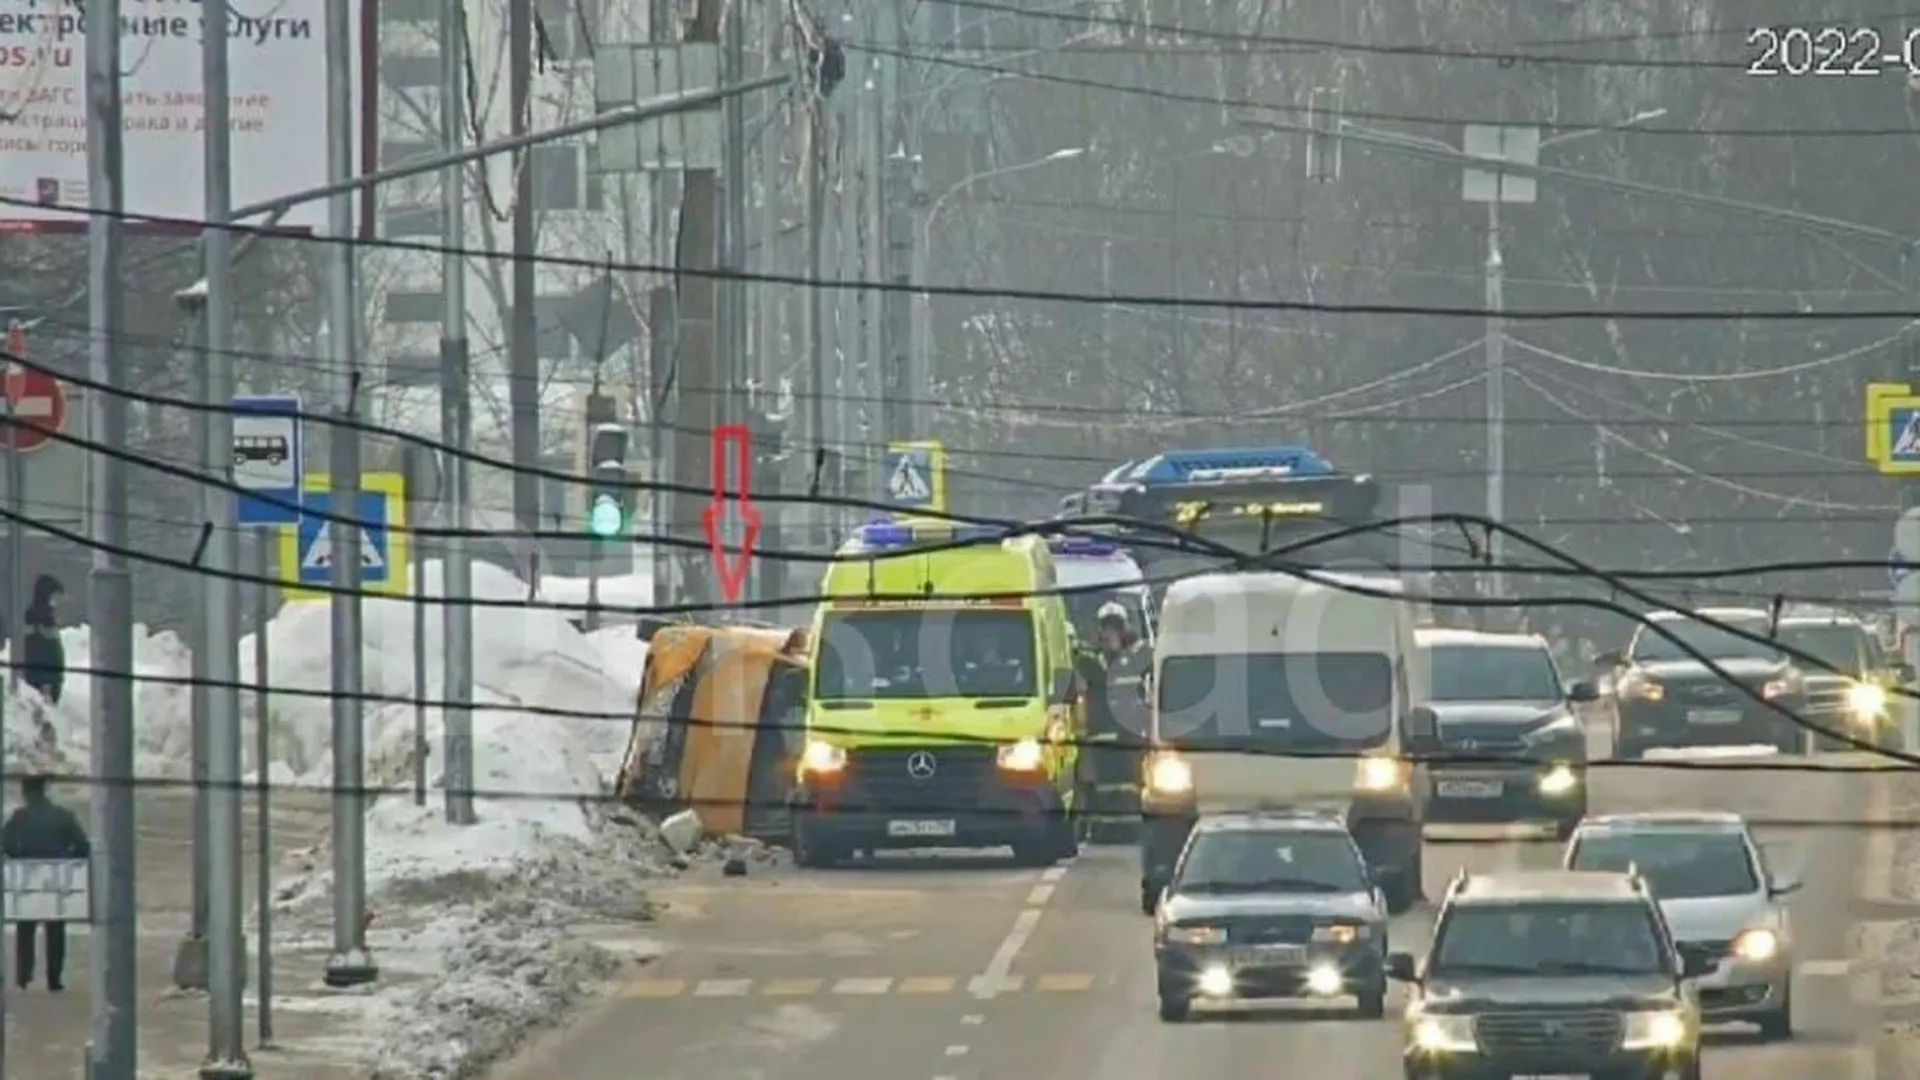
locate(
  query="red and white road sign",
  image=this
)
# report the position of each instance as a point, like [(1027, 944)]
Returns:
[(34, 397)]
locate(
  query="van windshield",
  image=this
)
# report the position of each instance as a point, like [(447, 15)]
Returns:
[(923, 653), (1327, 701)]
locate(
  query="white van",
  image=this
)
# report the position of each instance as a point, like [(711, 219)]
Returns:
[(1093, 572), (1271, 689)]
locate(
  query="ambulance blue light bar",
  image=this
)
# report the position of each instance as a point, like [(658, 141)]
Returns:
[(883, 535), (1084, 547), (1190, 466)]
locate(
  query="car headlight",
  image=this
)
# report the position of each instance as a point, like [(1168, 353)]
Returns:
[(1445, 1034), (1559, 780), (1381, 774), (1664, 1029), (1027, 755), (1194, 935), (822, 757), (1755, 945), (1169, 775), (1867, 701), (1342, 933), (1779, 688), (1641, 688)]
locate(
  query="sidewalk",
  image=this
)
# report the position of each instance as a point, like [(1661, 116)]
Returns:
[(317, 1031)]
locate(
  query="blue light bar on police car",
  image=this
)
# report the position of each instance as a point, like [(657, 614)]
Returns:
[(1083, 546), (885, 534), (1184, 466), (881, 535)]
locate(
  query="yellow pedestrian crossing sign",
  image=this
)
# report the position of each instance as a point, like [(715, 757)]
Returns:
[(915, 475), (1893, 428), (307, 548)]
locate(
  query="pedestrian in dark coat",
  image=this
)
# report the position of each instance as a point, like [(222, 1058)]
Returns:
[(40, 828), (43, 659)]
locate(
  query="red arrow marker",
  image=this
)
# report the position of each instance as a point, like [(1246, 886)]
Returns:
[(731, 512)]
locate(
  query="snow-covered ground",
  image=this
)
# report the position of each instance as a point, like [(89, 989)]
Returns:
[(555, 716)]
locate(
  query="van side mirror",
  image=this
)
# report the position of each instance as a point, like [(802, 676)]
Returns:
[(1696, 965), (1582, 692), (1421, 727), (1401, 968)]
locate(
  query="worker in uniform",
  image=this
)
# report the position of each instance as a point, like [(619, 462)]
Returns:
[(1121, 735), (40, 828)]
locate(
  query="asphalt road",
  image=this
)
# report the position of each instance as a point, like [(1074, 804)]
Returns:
[(974, 970)]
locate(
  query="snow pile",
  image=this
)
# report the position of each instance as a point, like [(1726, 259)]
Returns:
[(58, 737)]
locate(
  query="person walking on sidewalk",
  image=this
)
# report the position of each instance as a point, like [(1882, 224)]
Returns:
[(43, 658), (40, 828)]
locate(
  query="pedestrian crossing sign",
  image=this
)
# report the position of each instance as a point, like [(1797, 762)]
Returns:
[(914, 474), (1893, 428), (307, 549)]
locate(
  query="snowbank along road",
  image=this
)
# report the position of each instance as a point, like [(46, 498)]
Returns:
[(948, 969)]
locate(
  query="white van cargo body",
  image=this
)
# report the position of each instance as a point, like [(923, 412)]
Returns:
[(1275, 689)]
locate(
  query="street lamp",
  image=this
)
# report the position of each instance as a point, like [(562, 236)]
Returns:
[(920, 368)]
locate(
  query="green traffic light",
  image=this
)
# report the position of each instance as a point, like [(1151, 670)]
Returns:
[(605, 518)]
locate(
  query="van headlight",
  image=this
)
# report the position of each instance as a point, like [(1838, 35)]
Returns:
[(1641, 688), (1169, 775), (1381, 774), (1780, 687), (1866, 701), (1661, 1030), (1559, 780), (1341, 933), (1445, 1034), (819, 756), (1756, 946), (1027, 755), (1193, 935)]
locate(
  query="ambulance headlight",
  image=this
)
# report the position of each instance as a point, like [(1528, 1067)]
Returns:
[(822, 757), (1024, 756), (1445, 1034), (1381, 774)]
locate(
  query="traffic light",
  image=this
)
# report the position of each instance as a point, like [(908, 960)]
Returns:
[(610, 507)]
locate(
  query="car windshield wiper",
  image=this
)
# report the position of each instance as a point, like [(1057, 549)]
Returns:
[(1272, 884)]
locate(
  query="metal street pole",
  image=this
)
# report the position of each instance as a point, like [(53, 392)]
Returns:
[(349, 963), (113, 1053), (1496, 345), (456, 431), (226, 925), (818, 385), (523, 359), (190, 960), (737, 369), (262, 758)]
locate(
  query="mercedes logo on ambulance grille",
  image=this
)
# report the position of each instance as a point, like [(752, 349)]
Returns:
[(920, 765)]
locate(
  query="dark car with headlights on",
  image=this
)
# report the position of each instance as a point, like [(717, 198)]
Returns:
[(1267, 905), (1665, 697), (1852, 694), (1550, 973), (1509, 746)]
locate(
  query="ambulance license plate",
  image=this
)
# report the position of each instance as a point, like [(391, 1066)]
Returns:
[(1470, 789), (945, 827), (1713, 716)]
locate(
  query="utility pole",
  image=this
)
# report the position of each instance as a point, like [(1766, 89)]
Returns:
[(113, 1053), (1496, 345), (813, 184), (904, 198), (226, 912), (190, 960), (737, 370), (701, 380), (349, 963), (873, 305), (523, 355), (456, 431)]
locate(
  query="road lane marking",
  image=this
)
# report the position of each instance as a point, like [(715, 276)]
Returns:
[(927, 984), (1825, 969), (1039, 896), (863, 986), (956, 1051), (1057, 983), (973, 1019), (1053, 873), (987, 986), (791, 987), (657, 988), (723, 988), (1009, 950)]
